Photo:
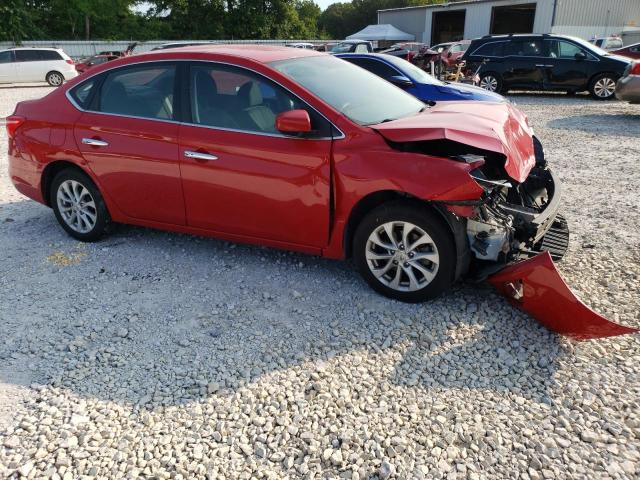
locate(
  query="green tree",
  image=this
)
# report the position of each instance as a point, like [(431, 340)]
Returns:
[(17, 21)]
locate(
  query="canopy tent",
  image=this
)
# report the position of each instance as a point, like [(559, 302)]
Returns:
[(381, 32)]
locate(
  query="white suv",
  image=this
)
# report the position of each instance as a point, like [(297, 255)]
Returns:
[(36, 65)]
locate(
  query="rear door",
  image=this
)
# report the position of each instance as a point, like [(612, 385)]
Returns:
[(129, 138), (29, 66), (563, 70), (240, 174), (524, 63), (7, 67)]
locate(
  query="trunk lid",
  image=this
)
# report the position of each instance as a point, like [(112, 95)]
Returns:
[(495, 127)]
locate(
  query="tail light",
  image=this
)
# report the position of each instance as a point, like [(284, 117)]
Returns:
[(70, 62), (635, 70), (12, 123)]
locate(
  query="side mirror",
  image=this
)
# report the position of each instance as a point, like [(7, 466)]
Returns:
[(401, 81), (580, 56), (293, 121)]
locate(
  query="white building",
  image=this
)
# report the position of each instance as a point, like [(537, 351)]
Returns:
[(469, 19)]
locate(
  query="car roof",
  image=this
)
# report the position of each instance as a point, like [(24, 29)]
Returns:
[(257, 53), (35, 48)]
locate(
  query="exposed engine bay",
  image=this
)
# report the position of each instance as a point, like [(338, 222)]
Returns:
[(515, 221)]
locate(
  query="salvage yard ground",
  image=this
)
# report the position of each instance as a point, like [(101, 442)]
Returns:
[(159, 355)]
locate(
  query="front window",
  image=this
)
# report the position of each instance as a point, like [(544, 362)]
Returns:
[(359, 95), (6, 57), (588, 46), (229, 97)]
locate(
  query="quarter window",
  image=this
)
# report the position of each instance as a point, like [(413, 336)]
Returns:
[(145, 92), (82, 93), (230, 97), (493, 49)]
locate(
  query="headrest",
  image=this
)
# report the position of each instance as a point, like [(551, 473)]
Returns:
[(250, 94)]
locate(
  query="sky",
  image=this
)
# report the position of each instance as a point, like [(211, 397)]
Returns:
[(325, 3)]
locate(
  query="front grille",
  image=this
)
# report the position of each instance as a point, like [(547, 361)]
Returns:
[(556, 240)]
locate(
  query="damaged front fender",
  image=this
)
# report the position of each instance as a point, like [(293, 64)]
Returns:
[(535, 286)]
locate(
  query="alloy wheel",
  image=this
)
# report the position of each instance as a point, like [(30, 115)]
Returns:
[(604, 87), (489, 82), (77, 207), (55, 79), (402, 256)]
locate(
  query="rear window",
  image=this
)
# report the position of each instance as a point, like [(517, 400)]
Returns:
[(37, 55), (139, 91), (81, 94), (524, 48)]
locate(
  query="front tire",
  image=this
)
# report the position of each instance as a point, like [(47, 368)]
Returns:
[(603, 87), (55, 79), (405, 252), (79, 206)]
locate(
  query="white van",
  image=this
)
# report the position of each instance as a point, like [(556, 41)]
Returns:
[(51, 65)]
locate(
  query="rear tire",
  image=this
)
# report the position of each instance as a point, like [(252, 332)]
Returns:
[(78, 205), (55, 79), (491, 81), (603, 87), (405, 252)]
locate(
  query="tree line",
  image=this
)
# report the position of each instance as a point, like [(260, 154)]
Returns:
[(187, 19)]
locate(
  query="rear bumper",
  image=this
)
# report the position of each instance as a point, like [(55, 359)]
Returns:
[(628, 89)]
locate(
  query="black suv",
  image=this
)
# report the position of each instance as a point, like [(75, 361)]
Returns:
[(544, 62)]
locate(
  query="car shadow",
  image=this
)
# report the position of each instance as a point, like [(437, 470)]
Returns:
[(618, 124), (148, 318)]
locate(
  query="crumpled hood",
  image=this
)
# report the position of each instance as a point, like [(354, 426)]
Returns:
[(496, 127)]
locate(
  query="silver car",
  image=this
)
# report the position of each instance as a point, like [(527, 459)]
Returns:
[(628, 87)]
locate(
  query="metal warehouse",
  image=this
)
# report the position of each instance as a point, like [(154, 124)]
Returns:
[(468, 19)]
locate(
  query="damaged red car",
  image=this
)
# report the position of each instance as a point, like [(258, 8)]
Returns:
[(294, 149)]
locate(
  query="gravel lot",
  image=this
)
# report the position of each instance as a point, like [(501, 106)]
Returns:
[(157, 355)]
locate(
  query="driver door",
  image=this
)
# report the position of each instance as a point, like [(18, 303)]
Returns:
[(240, 175), (563, 70)]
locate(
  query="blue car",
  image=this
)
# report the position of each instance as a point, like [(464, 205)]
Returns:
[(416, 81)]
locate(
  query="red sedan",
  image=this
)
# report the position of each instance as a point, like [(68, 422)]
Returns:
[(87, 63), (630, 51), (285, 147), (294, 149)]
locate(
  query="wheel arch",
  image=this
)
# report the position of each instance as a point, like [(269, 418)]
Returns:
[(49, 173), (456, 226)]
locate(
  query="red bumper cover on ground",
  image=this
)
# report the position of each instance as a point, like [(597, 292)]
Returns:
[(535, 286)]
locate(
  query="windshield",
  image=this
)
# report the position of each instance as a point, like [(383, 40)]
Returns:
[(413, 72), (589, 46), (358, 94)]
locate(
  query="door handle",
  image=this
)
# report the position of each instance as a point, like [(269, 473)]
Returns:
[(545, 66), (94, 142), (540, 65), (199, 156)]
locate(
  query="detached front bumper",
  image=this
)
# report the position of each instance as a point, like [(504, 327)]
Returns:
[(535, 286)]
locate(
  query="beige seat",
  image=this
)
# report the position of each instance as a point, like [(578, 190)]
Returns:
[(259, 114)]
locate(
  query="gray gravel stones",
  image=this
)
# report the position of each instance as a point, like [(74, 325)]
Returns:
[(154, 355)]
